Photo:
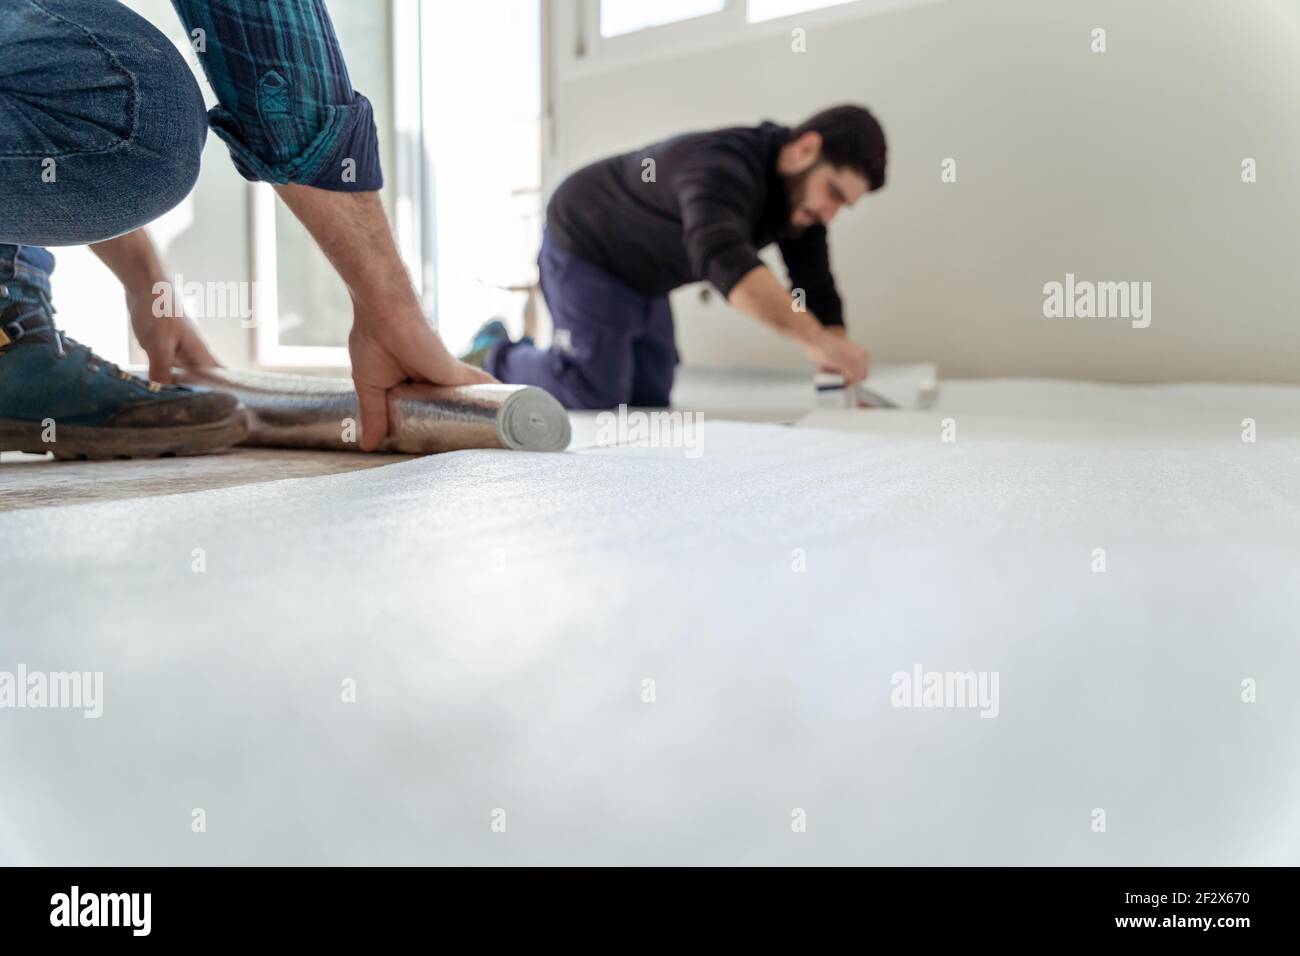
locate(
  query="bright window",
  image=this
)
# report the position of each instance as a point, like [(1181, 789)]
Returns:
[(462, 170), (627, 16), (314, 308), (760, 10), (482, 98)]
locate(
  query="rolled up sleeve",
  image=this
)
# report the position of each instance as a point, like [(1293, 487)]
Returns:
[(286, 107)]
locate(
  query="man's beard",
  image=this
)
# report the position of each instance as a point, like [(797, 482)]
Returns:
[(796, 188)]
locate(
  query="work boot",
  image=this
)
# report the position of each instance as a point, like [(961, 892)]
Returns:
[(58, 396), (489, 335)]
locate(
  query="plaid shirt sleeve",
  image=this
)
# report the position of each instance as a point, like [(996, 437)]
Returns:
[(286, 108)]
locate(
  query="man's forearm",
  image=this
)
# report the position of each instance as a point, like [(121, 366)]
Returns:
[(134, 260), (761, 295), (352, 230), (391, 342)]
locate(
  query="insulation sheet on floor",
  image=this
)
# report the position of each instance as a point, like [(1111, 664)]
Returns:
[(1073, 643)]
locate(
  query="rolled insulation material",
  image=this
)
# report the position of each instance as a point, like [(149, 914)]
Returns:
[(300, 411)]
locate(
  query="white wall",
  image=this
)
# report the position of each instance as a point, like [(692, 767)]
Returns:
[(1117, 166)]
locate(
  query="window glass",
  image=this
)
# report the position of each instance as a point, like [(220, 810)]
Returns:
[(627, 16), (771, 9)]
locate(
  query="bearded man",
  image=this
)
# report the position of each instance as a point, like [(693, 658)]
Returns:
[(623, 232)]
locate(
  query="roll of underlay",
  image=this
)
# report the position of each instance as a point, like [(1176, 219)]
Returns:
[(300, 411)]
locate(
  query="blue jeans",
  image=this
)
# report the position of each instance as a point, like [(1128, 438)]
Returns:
[(612, 344), (101, 130)]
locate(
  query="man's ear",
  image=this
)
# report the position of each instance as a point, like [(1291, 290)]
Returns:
[(808, 149)]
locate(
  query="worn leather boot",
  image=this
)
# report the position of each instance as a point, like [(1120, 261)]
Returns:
[(58, 396)]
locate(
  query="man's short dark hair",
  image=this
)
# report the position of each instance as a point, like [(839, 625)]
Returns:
[(851, 138)]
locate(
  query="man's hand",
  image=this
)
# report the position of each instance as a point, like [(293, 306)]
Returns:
[(761, 295), (835, 353), (389, 348), (170, 341), (390, 342)]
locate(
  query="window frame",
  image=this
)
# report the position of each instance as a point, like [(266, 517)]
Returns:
[(587, 52), (410, 211), (708, 21)]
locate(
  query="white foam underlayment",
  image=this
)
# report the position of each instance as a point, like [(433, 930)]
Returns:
[(499, 612)]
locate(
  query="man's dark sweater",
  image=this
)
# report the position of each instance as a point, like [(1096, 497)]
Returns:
[(713, 201)]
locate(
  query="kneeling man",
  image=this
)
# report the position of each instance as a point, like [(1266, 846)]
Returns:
[(624, 232)]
